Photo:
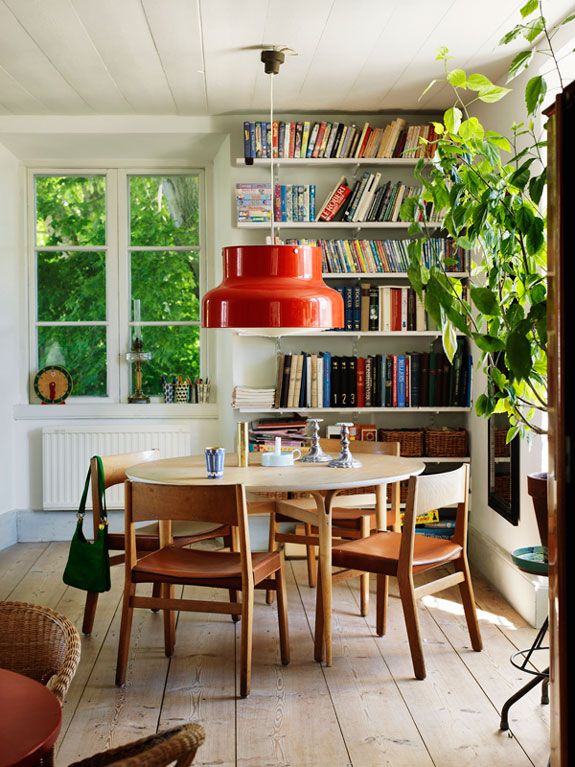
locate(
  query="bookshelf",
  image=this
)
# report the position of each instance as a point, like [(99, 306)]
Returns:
[(254, 345)]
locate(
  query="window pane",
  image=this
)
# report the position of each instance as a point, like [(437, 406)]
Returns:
[(175, 351), (71, 286), (167, 285), (82, 351), (164, 210), (70, 210)]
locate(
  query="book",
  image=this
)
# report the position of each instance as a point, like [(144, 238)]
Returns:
[(253, 202), (312, 139), (356, 306), (335, 378), (360, 382), (279, 377), (334, 200), (368, 381), (285, 380), (365, 305)]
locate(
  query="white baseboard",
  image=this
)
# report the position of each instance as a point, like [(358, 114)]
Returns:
[(528, 594), (8, 529)]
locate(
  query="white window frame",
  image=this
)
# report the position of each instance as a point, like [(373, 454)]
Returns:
[(118, 320)]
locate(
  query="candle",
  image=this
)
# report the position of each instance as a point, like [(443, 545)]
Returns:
[(278, 445), (137, 325)]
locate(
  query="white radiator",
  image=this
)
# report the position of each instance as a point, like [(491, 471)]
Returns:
[(66, 455)]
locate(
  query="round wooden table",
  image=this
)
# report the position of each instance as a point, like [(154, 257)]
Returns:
[(30, 718), (376, 470)]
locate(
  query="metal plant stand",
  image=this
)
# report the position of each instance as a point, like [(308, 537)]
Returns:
[(345, 459), (316, 454)]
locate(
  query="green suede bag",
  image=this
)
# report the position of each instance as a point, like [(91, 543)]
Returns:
[(88, 565)]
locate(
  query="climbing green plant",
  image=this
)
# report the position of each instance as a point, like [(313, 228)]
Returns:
[(490, 190)]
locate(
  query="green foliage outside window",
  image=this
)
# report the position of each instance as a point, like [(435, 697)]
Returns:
[(163, 212)]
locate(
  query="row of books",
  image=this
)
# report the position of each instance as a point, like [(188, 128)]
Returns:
[(385, 256), (367, 200), (292, 202), (324, 139), (388, 308), (292, 429), (417, 379)]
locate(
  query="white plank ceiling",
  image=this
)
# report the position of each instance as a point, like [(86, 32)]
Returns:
[(200, 57)]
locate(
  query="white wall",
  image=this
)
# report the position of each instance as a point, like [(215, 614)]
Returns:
[(10, 247)]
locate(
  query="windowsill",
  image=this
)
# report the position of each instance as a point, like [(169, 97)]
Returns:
[(104, 410)]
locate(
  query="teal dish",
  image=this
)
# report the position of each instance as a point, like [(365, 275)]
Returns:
[(532, 559)]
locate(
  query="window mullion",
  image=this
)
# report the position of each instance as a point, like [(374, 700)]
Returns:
[(124, 303), (112, 303)]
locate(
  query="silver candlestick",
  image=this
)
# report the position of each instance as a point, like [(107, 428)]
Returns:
[(316, 454), (345, 459)]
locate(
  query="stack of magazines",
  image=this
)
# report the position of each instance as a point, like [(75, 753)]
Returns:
[(248, 396)]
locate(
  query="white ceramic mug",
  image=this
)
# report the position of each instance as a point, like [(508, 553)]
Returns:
[(280, 459)]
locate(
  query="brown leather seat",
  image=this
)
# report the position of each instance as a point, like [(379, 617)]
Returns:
[(380, 553), (184, 532), (172, 564)]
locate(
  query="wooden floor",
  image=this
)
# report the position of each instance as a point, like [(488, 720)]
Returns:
[(367, 709)]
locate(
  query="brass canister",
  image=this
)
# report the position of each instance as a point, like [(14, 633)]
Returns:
[(242, 443)]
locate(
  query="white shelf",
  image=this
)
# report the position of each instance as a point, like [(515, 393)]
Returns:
[(349, 334), (378, 275), (444, 459), (400, 162), (502, 459), (326, 225), (353, 410)]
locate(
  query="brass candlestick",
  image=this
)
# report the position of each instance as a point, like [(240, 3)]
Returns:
[(137, 356)]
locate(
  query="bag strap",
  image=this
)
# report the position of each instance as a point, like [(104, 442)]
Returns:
[(101, 490)]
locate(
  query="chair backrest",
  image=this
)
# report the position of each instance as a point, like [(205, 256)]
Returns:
[(222, 504), (39, 643), (361, 446), (177, 745), (435, 491)]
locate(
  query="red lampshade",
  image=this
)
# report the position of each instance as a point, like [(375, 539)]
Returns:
[(272, 286)]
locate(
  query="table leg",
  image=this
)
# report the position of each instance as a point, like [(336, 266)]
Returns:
[(381, 507), (325, 541)]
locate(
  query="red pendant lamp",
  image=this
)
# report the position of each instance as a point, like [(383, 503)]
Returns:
[(272, 286)]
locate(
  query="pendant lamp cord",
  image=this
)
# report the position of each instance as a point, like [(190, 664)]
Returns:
[(272, 169)]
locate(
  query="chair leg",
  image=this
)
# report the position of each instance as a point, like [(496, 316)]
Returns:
[(382, 597), (234, 598), (169, 622), (89, 612), (311, 560), (407, 594), (246, 641), (125, 632), (272, 546), (283, 614), (468, 599), (319, 644), (364, 577), (156, 592)]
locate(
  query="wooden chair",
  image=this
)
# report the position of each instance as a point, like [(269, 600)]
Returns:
[(353, 517), (178, 745), (236, 570), (41, 644), (115, 467), (406, 554)]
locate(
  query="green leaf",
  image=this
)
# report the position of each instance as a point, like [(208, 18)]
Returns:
[(533, 29), (477, 82), (520, 177), (499, 377), (438, 128), (449, 339), (511, 35), (535, 91), (408, 208), (536, 186), (427, 89), (518, 353), (491, 95), (452, 119), (484, 406), (524, 218), (471, 128), (511, 434), (443, 54), (519, 63), (488, 343), (567, 19), (530, 7), (414, 276), (498, 140), (486, 301), (457, 78), (535, 236), (458, 317), (538, 293)]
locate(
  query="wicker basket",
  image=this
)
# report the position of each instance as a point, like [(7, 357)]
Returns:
[(451, 443), (501, 448), (502, 487), (410, 440), (402, 491)]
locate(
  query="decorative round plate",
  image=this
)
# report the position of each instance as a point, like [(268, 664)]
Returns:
[(532, 559), (53, 384)]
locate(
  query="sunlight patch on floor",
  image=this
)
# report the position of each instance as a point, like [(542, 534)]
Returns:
[(454, 608)]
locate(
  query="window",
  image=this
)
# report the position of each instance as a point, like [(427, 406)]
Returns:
[(100, 241)]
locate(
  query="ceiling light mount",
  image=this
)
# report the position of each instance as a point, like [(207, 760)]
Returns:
[(272, 59)]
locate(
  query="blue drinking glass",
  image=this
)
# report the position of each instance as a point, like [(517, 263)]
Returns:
[(215, 462)]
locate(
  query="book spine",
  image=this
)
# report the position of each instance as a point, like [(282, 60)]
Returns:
[(258, 131), (303, 381), (389, 381), (368, 381), (414, 380), (360, 378), (365, 292), (279, 379), (282, 139), (247, 143), (326, 378), (334, 204), (305, 138), (335, 373), (275, 139), (432, 397), (348, 307), (357, 307), (285, 380), (312, 140), (343, 382), (381, 377), (373, 307), (401, 376), (404, 295)]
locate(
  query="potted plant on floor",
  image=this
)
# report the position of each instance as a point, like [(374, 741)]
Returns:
[(489, 191)]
